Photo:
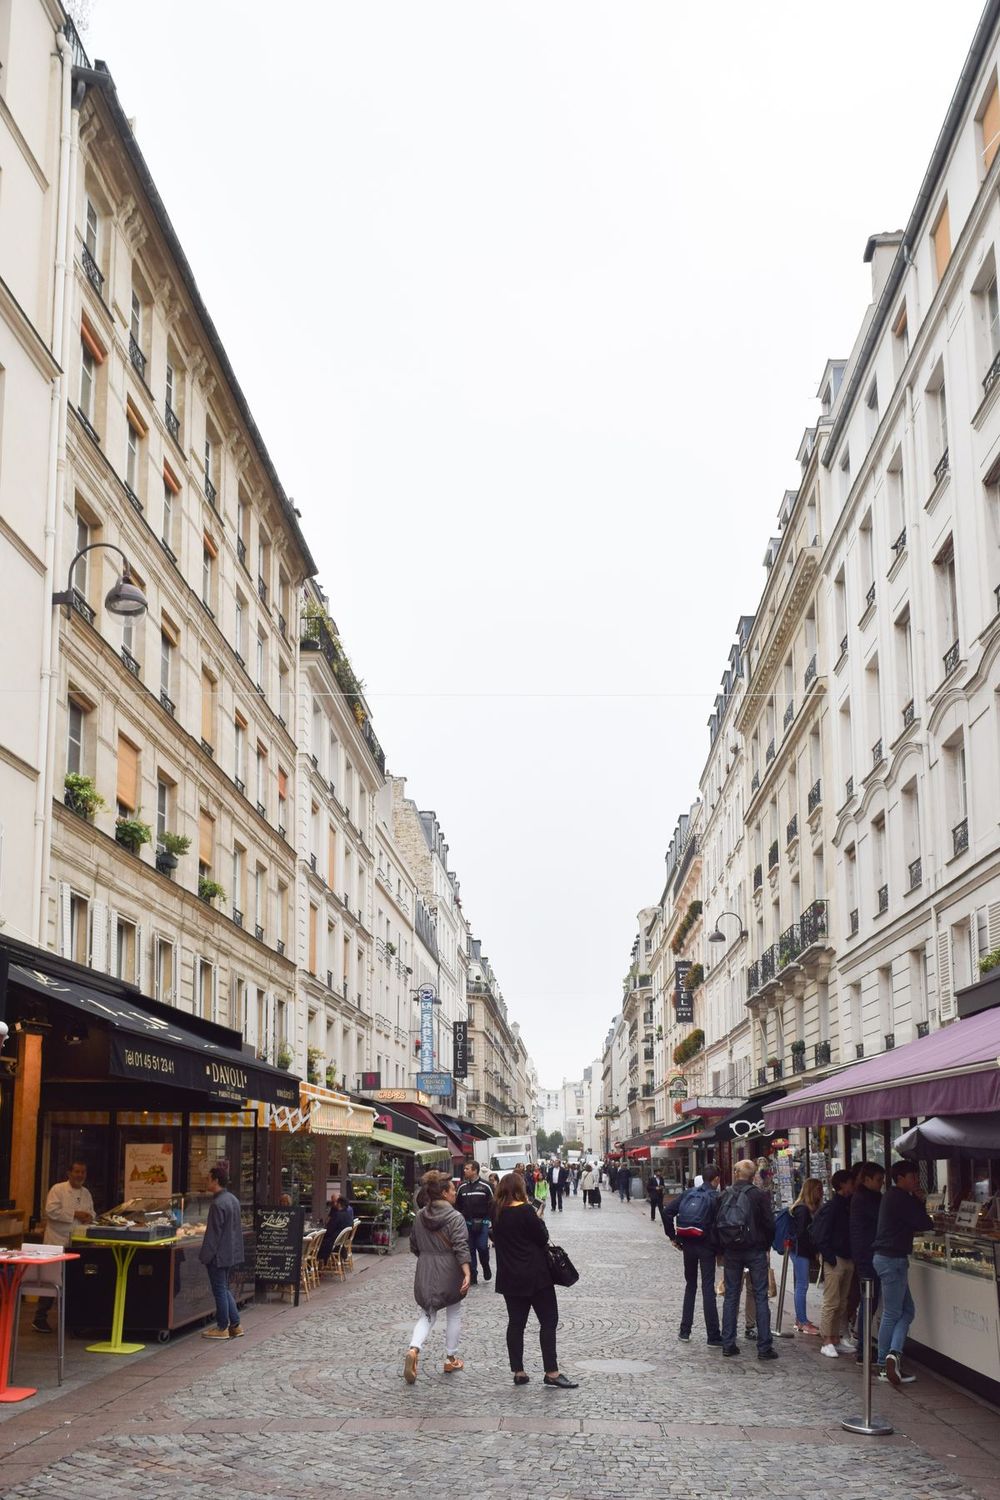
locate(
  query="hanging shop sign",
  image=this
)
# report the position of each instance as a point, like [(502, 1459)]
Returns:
[(683, 997), (370, 1081), (438, 1084), (427, 996), (460, 1036)]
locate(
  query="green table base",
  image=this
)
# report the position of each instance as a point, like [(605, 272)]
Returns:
[(124, 1253)]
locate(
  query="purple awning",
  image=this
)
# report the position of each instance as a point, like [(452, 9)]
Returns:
[(952, 1071)]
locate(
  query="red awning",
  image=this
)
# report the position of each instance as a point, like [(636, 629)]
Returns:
[(680, 1140), (640, 1153), (423, 1116)]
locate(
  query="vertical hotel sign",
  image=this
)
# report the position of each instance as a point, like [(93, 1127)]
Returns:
[(427, 995), (683, 997), (460, 1034)]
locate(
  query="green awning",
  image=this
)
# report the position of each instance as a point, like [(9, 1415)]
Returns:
[(681, 1127), (396, 1142)]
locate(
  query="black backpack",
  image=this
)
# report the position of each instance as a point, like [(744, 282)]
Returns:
[(734, 1223)]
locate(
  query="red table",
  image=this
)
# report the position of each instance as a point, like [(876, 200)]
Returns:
[(11, 1273)]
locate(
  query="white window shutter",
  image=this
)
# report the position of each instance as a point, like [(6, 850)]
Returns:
[(249, 1019), (65, 920), (113, 944), (173, 995), (196, 991), (946, 998), (267, 1042), (140, 958), (215, 992), (99, 936), (993, 924)]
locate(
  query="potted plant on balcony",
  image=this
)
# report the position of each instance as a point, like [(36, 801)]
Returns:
[(284, 1057), (331, 1076), (772, 1062), (82, 796), (390, 948), (989, 962), (131, 832), (210, 890), (313, 1055), (172, 845), (798, 1049)]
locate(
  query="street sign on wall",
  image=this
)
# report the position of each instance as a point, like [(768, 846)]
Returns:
[(439, 1084), (460, 1036)]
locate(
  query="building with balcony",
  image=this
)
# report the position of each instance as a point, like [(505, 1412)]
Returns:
[(180, 719), (498, 1062)]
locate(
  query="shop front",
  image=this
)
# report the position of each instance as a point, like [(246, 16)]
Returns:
[(739, 1135), (936, 1099)]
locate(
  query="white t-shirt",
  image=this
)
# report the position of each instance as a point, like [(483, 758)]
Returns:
[(60, 1206)]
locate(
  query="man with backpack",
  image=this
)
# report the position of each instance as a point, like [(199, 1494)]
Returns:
[(744, 1228), (690, 1222)]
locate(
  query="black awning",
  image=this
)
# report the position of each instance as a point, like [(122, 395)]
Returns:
[(746, 1122), (150, 1043)]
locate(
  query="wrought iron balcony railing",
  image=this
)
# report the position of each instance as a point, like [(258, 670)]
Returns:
[(137, 357), (211, 493), (822, 1054), (852, 922), (769, 753), (941, 467), (755, 781), (883, 899), (758, 877), (789, 715), (899, 545), (772, 855), (877, 756), (792, 831), (173, 421), (915, 871), (131, 662), (813, 924), (960, 837), (810, 672), (951, 659), (909, 713), (870, 597), (815, 795), (92, 270), (990, 378)]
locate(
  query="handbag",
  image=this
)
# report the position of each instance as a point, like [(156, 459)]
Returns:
[(561, 1268)]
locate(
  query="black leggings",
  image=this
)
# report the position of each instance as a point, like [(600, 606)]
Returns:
[(547, 1312)]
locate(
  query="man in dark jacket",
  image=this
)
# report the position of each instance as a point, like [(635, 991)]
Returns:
[(866, 1201), (557, 1178), (221, 1250), (474, 1201), (699, 1256), (750, 1255), (831, 1234), (654, 1192), (901, 1216)]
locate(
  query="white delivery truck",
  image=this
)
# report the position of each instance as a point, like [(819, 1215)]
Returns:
[(502, 1153)]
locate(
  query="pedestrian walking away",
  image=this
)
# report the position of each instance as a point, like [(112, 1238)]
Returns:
[(624, 1183), (689, 1222), (524, 1280), (575, 1173), (654, 1192), (589, 1183), (902, 1215), (865, 1205), (744, 1225), (221, 1251), (440, 1242), (474, 1201), (803, 1252), (831, 1235), (558, 1180)]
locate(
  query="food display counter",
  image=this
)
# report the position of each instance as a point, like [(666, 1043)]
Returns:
[(953, 1279)]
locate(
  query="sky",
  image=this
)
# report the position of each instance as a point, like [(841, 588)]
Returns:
[(531, 303)]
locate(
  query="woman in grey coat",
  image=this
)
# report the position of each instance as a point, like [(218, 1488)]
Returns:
[(440, 1240)]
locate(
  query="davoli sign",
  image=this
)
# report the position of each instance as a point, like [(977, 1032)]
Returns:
[(183, 1068)]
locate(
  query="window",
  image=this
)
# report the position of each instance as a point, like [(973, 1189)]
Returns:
[(171, 489), (240, 626), (163, 970), (88, 380), (897, 501), (259, 897), (871, 409), (282, 914), (910, 807), (260, 788), (125, 956), (941, 242), (79, 912), (956, 793), (989, 126), (904, 669), (208, 709), (261, 658), (947, 605), (204, 989), (209, 572), (91, 228), (282, 799), (313, 915), (135, 430), (284, 701), (135, 318), (166, 663), (208, 457), (164, 791), (206, 842), (263, 564), (127, 795), (239, 883), (74, 746), (240, 765)]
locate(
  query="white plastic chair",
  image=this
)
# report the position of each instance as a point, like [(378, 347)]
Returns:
[(44, 1280)]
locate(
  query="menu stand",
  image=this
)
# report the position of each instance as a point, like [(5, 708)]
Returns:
[(12, 1269), (124, 1253)]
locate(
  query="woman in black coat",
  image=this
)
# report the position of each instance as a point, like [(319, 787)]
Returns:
[(524, 1280)]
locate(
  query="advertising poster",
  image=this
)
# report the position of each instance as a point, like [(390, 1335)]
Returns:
[(149, 1171)]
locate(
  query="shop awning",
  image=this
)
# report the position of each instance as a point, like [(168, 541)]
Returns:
[(332, 1113), (952, 1071), (640, 1153), (679, 1132), (437, 1127), (745, 1122), (407, 1144), (950, 1137), (153, 1043)]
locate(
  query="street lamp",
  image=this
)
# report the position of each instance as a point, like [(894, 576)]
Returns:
[(607, 1113), (716, 936), (123, 598)]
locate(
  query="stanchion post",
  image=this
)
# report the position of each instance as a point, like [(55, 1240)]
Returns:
[(866, 1424), (779, 1315)]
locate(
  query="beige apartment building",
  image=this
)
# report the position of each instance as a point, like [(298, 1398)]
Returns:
[(181, 719)]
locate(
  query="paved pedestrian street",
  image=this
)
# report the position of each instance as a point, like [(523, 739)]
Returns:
[(311, 1403)]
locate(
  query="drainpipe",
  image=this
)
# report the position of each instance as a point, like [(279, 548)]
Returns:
[(49, 677)]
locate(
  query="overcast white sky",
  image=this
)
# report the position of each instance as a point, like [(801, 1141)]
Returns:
[(531, 302)]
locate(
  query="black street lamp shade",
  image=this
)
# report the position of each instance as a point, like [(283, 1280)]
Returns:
[(125, 598)]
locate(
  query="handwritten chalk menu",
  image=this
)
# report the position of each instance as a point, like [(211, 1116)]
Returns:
[(278, 1257)]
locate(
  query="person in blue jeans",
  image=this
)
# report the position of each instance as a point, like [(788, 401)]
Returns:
[(474, 1202), (699, 1259), (803, 1211), (222, 1250), (750, 1256), (901, 1216)]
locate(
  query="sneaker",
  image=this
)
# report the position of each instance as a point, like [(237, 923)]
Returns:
[(685, 1338), (487, 1275), (847, 1346), (892, 1371), (215, 1333), (236, 1330), (767, 1353), (410, 1365), (730, 1349), (830, 1350), (40, 1326), (751, 1330), (715, 1343)]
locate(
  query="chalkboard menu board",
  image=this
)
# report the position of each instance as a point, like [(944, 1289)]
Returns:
[(278, 1257)]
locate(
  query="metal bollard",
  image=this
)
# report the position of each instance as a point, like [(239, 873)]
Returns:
[(779, 1315), (866, 1424)]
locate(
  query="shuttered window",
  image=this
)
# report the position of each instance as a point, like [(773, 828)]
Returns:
[(312, 940), (941, 237), (208, 709), (991, 127), (128, 775), (282, 783), (331, 855), (206, 839)]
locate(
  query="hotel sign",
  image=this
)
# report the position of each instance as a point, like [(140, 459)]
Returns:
[(683, 997)]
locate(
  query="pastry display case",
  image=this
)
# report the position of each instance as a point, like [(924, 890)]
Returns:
[(953, 1279)]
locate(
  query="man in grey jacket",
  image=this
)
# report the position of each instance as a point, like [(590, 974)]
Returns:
[(221, 1250)]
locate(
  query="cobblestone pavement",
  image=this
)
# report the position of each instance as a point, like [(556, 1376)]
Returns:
[(311, 1403)]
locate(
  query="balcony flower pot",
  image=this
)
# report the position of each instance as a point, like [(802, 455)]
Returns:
[(210, 890), (132, 833), (81, 795), (166, 862), (284, 1058)]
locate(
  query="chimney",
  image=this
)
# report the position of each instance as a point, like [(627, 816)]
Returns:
[(880, 252)]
